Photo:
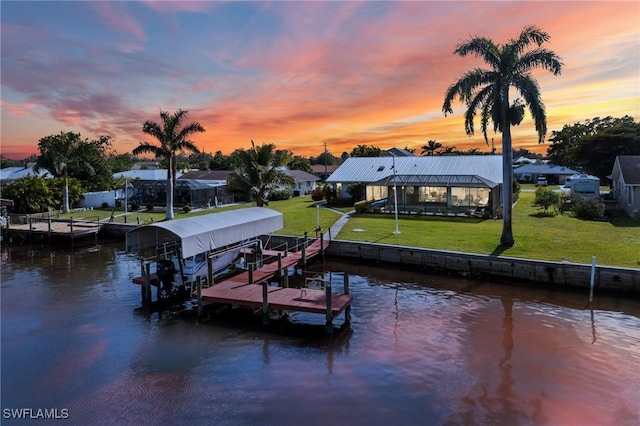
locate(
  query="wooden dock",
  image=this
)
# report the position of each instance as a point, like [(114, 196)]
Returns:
[(252, 289), (246, 289), (54, 229)]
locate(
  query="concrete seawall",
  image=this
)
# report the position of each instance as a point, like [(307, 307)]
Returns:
[(561, 275)]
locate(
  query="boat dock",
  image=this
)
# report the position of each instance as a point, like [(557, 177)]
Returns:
[(49, 229), (252, 288)]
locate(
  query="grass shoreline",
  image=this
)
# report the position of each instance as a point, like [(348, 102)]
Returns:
[(553, 238)]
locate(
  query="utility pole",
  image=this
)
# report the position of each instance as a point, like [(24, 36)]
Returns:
[(325, 161)]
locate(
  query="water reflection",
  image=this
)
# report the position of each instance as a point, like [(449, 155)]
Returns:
[(423, 349)]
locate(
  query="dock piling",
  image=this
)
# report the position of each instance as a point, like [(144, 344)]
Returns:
[(199, 293), (347, 311), (329, 316), (265, 303), (146, 299)]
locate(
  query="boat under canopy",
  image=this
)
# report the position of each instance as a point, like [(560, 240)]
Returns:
[(200, 234)]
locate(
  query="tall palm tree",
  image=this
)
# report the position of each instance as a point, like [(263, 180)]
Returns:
[(60, 153), (258, 171), (431, 147), (173, 136), (487, 91)]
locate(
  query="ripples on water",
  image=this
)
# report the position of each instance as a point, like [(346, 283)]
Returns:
[(423, 349)]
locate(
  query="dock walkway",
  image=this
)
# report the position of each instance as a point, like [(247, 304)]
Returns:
[(246, 289)]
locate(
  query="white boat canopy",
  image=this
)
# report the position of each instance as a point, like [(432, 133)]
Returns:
[(200, 234)]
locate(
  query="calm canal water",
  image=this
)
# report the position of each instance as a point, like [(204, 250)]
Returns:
[(423, 350)]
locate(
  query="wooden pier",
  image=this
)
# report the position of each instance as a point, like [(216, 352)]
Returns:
[(252, 289), (54, 229)]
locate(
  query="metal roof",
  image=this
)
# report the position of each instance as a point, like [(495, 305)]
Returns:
[(454, 169), (157, 174), (199, 234), (549, 169)]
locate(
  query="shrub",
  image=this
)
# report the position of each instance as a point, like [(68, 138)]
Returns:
[(356, 190), (330, 194), (317, 194), (105, 205), (186, 208), (420, 211), (547, 198), (135, 206), (588, 210), (360, 207), (516, 190), (280, 194), (149, 207)]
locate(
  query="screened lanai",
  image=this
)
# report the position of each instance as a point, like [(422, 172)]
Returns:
[(432, 184), (196, 193), (437, 194)]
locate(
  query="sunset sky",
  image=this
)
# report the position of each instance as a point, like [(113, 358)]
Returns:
[(296, 74)]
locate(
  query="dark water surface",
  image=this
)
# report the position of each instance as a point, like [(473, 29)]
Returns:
[(423, 350)]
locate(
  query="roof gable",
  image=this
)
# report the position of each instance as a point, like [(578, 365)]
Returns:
[(629, 168)]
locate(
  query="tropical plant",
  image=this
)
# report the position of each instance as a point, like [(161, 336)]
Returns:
[(356, 190), (367, 151), (30, 194), (300, 163), (258, 171), (173, 134), (68, 155), (431, 147), (487, 91)]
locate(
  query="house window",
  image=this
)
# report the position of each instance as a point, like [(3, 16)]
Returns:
[(374, 193), (470, 197), (432, 194)]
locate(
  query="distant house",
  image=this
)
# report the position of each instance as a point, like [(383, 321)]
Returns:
[(323, 171), (454, 184), (554, 174), (303, 181), (9, 174), (626, 183)]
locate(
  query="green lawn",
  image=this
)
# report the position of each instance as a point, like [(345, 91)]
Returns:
[(550, 238), (614, 243)]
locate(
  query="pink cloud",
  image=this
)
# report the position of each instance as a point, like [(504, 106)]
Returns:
[(116, 16)]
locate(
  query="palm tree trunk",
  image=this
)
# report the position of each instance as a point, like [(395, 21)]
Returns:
[(506, 239), (169, 208), (65, 194)]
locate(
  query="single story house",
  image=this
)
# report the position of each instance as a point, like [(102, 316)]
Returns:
[(555, 174), (626, 183), (303, 182), (436, 184)]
